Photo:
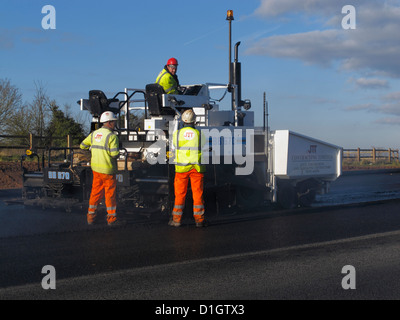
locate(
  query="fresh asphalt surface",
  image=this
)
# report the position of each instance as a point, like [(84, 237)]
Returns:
[(268, 254)]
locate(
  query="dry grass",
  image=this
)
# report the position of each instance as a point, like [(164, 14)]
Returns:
[(369, 165)]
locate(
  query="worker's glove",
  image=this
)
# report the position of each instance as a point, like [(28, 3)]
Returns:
[(181, 90)]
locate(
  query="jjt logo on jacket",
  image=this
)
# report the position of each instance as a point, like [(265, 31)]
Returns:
[(98, 137), (188, 135)]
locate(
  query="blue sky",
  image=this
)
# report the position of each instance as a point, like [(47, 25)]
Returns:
[(334, 84)]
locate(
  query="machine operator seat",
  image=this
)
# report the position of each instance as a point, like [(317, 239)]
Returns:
[(99, 103), (154, 94)]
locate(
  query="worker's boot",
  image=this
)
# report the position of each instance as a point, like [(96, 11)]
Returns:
[(200, 221), (174, 222), (91, 218), (202, 224)]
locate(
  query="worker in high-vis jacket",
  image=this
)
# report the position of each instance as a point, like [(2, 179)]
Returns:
[(187, 143), (168, 79), (104, 147)]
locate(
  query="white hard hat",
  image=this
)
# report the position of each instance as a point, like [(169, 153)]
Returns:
[(108, 116), (188, 116)]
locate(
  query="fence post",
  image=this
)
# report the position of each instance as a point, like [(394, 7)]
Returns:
[(31, 141), (68, 143), (358, 154), (390, 155), (373, 155)]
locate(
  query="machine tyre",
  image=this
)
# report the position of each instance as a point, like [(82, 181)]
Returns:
[(248, 198), (287, 196), (306, 200), (306, 192)]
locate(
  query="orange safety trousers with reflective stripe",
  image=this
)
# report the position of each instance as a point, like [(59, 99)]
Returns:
[(103, 186), (181, 184)]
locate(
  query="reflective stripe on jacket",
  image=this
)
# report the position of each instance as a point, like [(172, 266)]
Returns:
[(105, 150), (168, 82), (187, 144)]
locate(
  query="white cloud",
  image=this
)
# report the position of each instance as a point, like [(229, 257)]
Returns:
[(372, 83), (373, 46), (278, 8), (388, 121), (274, 8), (390, 108), (11, 38), (314, 47), (393, 96), (361, 107)]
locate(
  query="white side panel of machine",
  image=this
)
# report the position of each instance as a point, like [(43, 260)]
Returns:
[(187, 101), (220, 118), (299, 157)]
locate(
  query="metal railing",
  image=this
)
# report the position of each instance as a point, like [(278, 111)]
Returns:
[(31, 141)]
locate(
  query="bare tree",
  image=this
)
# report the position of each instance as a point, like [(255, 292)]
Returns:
[(20, 124), (82, 118), (29, 117), (39, 110), (36, 117), (10, 100)]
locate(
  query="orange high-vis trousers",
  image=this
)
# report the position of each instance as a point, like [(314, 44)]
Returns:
[(181, 184), (103, 185)]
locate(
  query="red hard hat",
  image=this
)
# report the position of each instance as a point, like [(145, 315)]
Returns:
[(172, 61)]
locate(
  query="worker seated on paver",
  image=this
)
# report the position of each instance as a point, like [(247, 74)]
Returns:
[(168, 78)]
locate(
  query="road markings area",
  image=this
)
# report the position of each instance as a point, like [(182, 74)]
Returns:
[(270, 260)]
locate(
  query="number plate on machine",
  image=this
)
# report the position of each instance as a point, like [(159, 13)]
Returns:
[(51, 175)]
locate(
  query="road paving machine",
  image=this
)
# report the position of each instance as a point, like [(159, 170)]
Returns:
[(246, 166)]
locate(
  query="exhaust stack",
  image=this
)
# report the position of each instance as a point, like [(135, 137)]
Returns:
[(235, 73)]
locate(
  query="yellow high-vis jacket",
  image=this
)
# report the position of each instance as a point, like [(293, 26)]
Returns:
[(168, 82), (187, 143), (104, 146)]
